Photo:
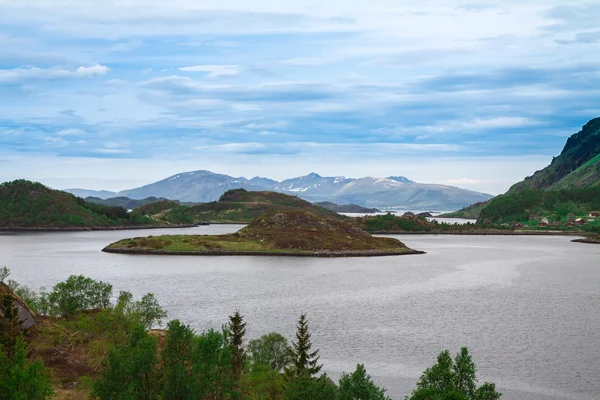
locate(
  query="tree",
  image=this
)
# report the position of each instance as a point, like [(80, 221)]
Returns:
[(79, 293), (359, 386), (236, 330), (305, 361), (453, 380), (212, 366), (305, 387), (271, 349), (21, 379), (4, 273), (130, 370), (177, 358), (264, 383)]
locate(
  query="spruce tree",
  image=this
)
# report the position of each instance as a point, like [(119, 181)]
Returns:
[(305, 361), (236, 330)]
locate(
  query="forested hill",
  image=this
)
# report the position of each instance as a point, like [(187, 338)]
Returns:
[(25, 204), (577, 166)]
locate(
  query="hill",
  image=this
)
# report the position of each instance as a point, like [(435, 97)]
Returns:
[(206, 186), (569, 186), (25, 204), (121, 201), (470, 212), (83, 193), (291, 232), (577, 166), (347, 208), (234, 206)]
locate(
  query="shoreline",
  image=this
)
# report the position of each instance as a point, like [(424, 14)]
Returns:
[(321, 254), (92, 228), (485, 233), (586, 240)]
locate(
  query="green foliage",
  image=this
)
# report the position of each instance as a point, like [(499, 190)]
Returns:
[(146, 312), (305, 387), (78, 293), (20, 378), (393, 223), (4, 273), (31, 204), (264, 383), (453, 380), (130, 371), (177, 358), (28, 295), (212, 366), (305, 360), (359, 386), (236, 330), (272, 350), (10, 325), (517, 206)]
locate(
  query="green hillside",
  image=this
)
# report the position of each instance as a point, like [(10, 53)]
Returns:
[(555, 205), (577, 166), (25, 204), (234, 206), (470, 212)]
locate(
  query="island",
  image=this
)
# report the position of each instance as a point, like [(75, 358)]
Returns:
[(275, 233), (589, 239)]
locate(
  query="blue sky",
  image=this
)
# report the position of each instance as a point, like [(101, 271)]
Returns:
[(112, 95)]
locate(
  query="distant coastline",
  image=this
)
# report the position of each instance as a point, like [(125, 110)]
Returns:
[(90, 228)]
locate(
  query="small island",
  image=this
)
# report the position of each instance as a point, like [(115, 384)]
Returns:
[(589, 239), (276, 233)]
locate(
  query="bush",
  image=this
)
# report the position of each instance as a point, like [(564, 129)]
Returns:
[(77, 294)]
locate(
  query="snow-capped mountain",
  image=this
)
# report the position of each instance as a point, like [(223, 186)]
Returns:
[(394, 191)]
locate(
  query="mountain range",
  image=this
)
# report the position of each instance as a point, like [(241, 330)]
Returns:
[(393, 191)]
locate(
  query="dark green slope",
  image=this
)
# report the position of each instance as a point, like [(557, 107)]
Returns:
[(25, 204), (577, 166)]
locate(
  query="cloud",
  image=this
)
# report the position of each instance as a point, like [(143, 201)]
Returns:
[(34, 73), (70, 132), (213, 70)]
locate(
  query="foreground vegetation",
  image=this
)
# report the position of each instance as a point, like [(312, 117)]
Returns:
[(110, 353), (25, 204), (284, 232)]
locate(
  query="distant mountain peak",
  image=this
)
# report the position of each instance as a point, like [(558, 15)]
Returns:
[(401, 179)]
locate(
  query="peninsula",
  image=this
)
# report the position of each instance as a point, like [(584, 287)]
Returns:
[(278, 233)]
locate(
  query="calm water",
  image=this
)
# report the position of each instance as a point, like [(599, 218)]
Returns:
[(527, 307)]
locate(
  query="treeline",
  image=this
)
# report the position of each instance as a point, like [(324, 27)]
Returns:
[(517, 206), (393, 223), (133, 362)]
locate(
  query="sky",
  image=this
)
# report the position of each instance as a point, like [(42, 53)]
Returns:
[(116, 94)]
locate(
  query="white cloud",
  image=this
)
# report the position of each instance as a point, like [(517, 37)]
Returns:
[(213, 70), (23, 74), (70, 132), (92, 70)]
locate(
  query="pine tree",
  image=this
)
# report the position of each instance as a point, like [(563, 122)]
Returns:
[(236, 330), (305, 361)]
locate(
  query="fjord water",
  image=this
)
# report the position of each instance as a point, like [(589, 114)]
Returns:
[(526, 307)]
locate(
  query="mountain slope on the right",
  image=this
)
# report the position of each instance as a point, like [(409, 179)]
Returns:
[(577, 166), (567, 189)]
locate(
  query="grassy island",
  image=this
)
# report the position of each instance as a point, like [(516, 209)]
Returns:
[(293, 233), (590, 239)]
